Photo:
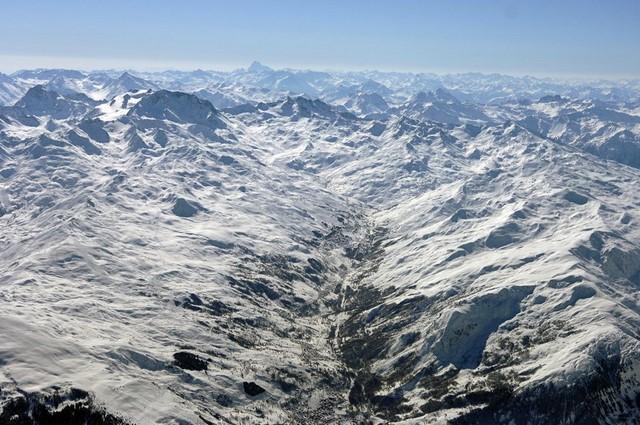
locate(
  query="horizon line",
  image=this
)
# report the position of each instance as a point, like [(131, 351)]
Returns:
[(138, 66)]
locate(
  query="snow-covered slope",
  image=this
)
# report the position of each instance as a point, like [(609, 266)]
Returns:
[(603, 128), (441, 106), (367, 104), (379, 256), (125, 83), (10, 90), (186, 233)]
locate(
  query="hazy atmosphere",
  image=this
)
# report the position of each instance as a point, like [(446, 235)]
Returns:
[(572, 38)]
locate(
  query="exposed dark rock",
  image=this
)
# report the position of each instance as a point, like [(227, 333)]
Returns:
[(224, 400), (227, 160), (252, 389), (83, 143), (356, 394), (190, 361), (177, 107), (287, 387), (252, 287), (502, 236), (53, 406), (316, 265), (184, 208), (94, 129), (590, 401), (576, 198), (161, 138), (220, 244)]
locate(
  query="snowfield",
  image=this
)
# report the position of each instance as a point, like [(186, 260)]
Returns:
[(299, 247)]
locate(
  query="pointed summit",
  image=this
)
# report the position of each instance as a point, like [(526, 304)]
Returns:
[(444, 95), (130, 81), (257, 67), (40, 101), (125, 83)]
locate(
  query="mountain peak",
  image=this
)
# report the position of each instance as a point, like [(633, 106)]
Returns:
[(300, 106), (257, 67), (38, 95), (40, 101), (553, 98), (438, 95), (126, 82), (444, 95), (126, 76), (177, 107)]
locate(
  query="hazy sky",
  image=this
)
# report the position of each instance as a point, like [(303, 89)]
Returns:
[(549, 38)]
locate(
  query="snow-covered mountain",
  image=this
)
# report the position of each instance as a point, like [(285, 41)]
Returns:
[(259, 82), (367, 104), (125, 83), (284, 246), (442, 106), (10, 90)]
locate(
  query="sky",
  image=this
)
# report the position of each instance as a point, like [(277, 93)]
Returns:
[(561, 38)]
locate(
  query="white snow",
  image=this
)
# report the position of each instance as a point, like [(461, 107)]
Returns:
[(498, 237)]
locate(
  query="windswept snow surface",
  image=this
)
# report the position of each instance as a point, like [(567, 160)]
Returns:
[(292, 247)]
